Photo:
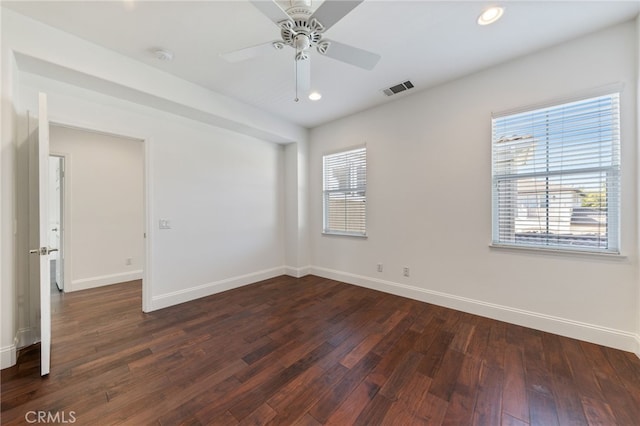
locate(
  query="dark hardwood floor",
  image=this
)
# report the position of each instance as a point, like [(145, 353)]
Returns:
[(311, 351)]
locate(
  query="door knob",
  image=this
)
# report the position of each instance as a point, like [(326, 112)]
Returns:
[(43, 251)]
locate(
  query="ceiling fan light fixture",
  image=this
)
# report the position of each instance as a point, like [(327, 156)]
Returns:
[(490, 15), (302, 42), (315, 96)]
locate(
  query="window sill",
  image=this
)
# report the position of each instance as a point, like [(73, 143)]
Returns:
[(558, 251), (344, 234)]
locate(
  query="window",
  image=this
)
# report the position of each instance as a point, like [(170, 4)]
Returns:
[(344, 192), (556, 176)]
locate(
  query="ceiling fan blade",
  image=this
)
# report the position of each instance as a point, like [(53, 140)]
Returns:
[(331, 12), (303, 75), (271, 10), (252, 52), (349, 54)]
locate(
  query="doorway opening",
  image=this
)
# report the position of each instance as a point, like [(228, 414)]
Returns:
[(103, 207), (56, 221)]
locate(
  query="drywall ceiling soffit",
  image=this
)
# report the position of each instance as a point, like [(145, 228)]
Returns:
[(32, 65), (429, 42)]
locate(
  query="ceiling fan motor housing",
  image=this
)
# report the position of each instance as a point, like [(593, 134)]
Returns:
[(302, 28), (299, 32)]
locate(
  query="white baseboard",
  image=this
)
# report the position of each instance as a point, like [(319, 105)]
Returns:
[(605, 336), (296, 272), (8, 356), (103, 280), (192, 293), (26, 337)]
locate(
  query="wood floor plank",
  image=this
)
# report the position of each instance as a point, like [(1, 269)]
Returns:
[(299, 403), (514, 394), (311, 351), (480, 338), (619, 397), (598, 412), (432, 410), (393, 357), (279, 400), (389, 342), (399, 414), (508, 420), (401, 375), (582, 372), (325, 407), (375, 412), (462, 338), (244, 404), (260, 416), (429, 335), (463, 398), (433, 356), (488, 408), (360, 351), (194, 407), (354, 404), (306, 420), (417, 403), (218, 400), (568, 403), (537, 375), (445, 381), (628, 369), (555, 356), (542, 409), (414, 394), (494, 353)]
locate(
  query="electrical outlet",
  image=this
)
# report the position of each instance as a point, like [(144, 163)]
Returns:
[(380, 267), (128, 261), (405, 271)]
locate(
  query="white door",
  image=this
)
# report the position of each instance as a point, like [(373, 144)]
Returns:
[(39, 224)]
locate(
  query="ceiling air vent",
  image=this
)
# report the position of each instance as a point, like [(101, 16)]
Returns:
[(393, 90)]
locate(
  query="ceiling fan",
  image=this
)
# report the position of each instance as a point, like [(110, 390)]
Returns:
[(301, 29)]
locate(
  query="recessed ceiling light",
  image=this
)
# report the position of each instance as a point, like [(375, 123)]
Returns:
[(315, 96), (490, 15)]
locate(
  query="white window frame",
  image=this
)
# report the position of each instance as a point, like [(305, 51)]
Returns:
[(612, 182), (355, 185)]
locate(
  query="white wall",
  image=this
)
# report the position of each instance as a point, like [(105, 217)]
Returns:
[(8, 325), (429, 198), (105, 219), (222, 190), (296, 209), (638, 176)]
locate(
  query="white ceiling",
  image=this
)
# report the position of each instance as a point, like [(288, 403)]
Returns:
[(428, 42)]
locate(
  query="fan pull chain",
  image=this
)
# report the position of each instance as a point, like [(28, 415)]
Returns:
[(295, 58)]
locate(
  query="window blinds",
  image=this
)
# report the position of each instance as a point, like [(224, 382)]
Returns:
[(556, 176), (344, 192)]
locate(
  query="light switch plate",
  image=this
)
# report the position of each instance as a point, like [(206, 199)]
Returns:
[(165, 224)]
